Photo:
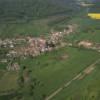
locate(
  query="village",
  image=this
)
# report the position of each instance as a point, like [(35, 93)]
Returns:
[(24, 47), (33, 45)]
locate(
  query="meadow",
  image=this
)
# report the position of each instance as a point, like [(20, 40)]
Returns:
[(85, 89), (87, 29), (22, 17), (35, 28), (52, 74)]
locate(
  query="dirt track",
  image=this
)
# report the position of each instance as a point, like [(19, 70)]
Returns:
[(79, 76)]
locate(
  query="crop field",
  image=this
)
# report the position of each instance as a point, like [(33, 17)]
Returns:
[(49, 50), (8, 81), (3, 66), (52, 74), (33, 27), (93, 37), (84, 89), (53, 69), (17, 29), (87, 29)]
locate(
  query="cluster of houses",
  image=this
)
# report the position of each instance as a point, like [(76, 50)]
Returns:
[(13, 67), (6, 43), (89, 45), (86, 44), (32, 46), (36, 46), (11, 43)]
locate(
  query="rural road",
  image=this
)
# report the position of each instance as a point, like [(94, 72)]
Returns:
[(79, 76)]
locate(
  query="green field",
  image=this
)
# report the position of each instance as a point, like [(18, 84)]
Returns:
[(34, 27), (8, 81), (85, 89), (52, 70), (52, 74), (87, 29), (22, 17), (42, 75)]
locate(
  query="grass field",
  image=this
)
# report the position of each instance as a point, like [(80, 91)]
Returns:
[(55, 68), (32, 27), (87, 29), (3, 66), (8, 81), (85, 89), (52, 74), (27, 28), (93, 37)]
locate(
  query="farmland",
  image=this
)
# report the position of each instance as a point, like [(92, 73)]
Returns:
[(88, 88), (24, 17), (34, 27), (52, 74), (52, 70), (49, 50), (87, 30)]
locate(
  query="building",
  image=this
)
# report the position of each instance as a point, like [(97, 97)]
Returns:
[(13, 67), (86, 44)]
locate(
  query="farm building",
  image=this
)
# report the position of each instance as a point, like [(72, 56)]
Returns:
[(85, 44)]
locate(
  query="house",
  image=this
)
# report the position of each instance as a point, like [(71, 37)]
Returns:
[(85, 44), (13, 67), (3, 61), (12, 53)]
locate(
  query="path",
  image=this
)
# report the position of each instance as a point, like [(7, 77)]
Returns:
[(79, 76)]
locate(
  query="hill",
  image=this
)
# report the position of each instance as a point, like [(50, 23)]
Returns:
[(23, 9), (19, 17)]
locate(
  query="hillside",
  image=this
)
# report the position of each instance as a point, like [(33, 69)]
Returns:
[(23, 9), (19, 17)]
